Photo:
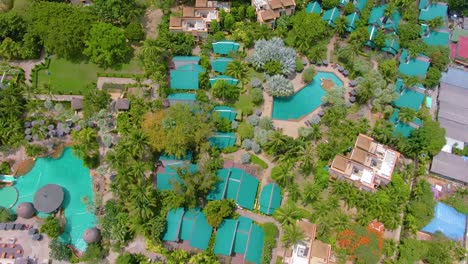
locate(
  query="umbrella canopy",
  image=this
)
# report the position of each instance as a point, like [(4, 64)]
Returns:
[(25, 210), (34, 123), (345, 72), (91, 235), (49, 198), (32, 231)]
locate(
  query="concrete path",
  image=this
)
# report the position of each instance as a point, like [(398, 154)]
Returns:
[(56, 97)]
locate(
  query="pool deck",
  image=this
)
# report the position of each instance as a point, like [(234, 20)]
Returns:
[(290, 127)]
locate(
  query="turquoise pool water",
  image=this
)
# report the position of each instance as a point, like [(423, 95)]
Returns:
[(8, 196), (68, 172), (304, 101)]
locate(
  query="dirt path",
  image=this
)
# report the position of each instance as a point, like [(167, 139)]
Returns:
[(28, 65), (151, 21), (330, 48)]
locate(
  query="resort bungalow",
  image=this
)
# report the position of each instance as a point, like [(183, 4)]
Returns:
[(181, 98), (167, 176), (314, 7), (436, 37), (220, 64), (225, 47), (373, 32), (378, 18), (413, 66), (360, 4), (401, 128), (409, 97), (330, 15), (352, 19), (227, 79), (241, 236), (270, 198), (392, 43), (222, 140), (178, 61), (368, 165), (308, 250), (226, 112), (432, 11)]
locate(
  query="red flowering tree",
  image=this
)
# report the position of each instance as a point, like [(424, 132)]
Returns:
[(362, 244)]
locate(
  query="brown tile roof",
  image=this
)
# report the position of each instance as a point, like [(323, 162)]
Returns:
[(201, 3), (321, 250), (308, 228), (188, 11), (175, 22), (267, 15), (340, 163), (288, 3), (364, 142), (275, 4), (359, 155)]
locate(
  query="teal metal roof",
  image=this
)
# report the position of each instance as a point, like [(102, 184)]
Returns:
[(184, 80), (399, 85), (226, 112), (270, 198), (409, 99), (314, 7), (191, 67), (220, 64), (225, 237), (242, 234), (225, 47), (352, 19), (182, 96), (228, 79), (392, 43), (237, 185), (437, 38), (174, 221), (360, 4), (343, 2), (167, 178), (433, 11), (201, 232), (423, 4), (401, 128), (186, 58), (255, 243), (222, 140), (373, 31), (331, 15), (414, 66), (377, 18), (188, 156)]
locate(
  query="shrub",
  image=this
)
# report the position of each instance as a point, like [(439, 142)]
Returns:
[(59, 250), (279, 86), (245, 130), (266, 123), (6, 215), (51, 227), (269, 241), (257, 96), (309, 74), (256, 148), (299, 65), (256, 160), (93, 254), (261, 135), (245, 158), (5, 168), (253, 120), (348, 8), (33, 150), (247, 144), (230, 149), (256, 82), (274, 50)]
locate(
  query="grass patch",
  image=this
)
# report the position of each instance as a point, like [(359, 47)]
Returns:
[(66, 77), (269, 241), (245, 104), (21, 5), (256, 160)]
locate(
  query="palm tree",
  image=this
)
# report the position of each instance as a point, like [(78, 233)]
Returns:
[(284, 175), (389, 10), (306, 156), (340, 25), (317, 53), (435, 22), (288, 214), (310, 193), (340, 221), (238, 70), (277, 143), (139, 143), (406, 114), (292, 235)]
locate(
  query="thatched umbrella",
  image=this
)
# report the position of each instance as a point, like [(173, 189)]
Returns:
[(48, 198), (37, 237), (353, 92), (91, 235), (325, 62), (77, 128), (28, 137), (166, 103), (27, 131), (17, 226), (25, 210), (69, 123), (321, 113), (9, 226), (304, 61), (341, 69), (2, 226)]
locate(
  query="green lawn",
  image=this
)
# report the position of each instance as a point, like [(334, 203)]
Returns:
[(65, 77)]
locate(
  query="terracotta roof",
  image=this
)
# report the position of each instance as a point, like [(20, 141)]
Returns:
[(364, 142), (359, 155), (200, 3), (275, 4), (188, 11), (340, 163), (321, 250), (175, 22), (308, 228), (288, 3), (267, 15)]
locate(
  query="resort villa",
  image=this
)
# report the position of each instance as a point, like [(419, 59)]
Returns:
[(269, 10), (309, 250), (186, 72), (196, 20), (368, 165)]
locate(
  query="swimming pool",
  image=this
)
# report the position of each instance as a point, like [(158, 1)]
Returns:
[(68, 172), (9, 196), (305, 100)]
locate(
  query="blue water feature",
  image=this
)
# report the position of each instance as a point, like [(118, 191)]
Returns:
[(69, 173), (305, 100)]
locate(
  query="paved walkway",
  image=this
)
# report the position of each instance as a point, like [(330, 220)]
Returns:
[(56, 97), (278, 250), (28, 65)]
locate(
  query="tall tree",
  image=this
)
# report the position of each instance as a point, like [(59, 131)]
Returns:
[(292, 235), (117, 12), (85, 146), (238, 70)]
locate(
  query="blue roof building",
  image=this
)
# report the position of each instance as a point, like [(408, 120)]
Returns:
[(330, 15), (448, 221), (432, 11), (413, 66), (314, 7), (378, 18)]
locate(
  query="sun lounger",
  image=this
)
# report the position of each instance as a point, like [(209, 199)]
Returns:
[(4, 255), (12, 246)]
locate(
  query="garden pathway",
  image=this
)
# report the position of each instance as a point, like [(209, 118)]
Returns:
[(28, 65), (278, 250), (151, 21), (56, 97)]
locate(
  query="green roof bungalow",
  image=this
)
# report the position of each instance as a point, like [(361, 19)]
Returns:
[(438, 37), (423, 4), (314, 7), (330, 15), (168, 160), (222, 140), (225, 47), (226, 112), (392, 43), (220, 64), (235, 184), (373, 31), (191, 67), (352, 19), (343, 2), (270, 198), (432, 11), (403, 129), (360, 4), (168, 176), (457, 33), (184, 80), (182, 98), (413, 66), (409, 98), (174, 222), (378, 18), (184, 60), (228, 79)]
